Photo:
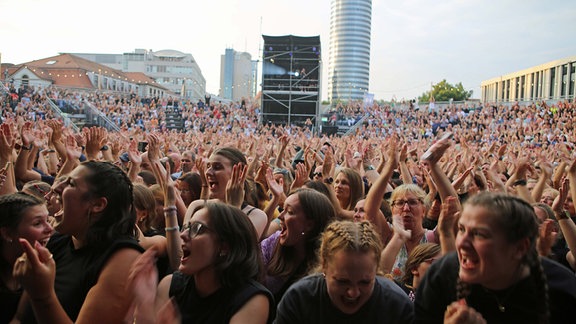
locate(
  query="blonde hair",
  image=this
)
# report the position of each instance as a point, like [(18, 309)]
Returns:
[(351, 237), (410, 188)]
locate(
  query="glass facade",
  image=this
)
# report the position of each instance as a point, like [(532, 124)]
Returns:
[(349, 50)]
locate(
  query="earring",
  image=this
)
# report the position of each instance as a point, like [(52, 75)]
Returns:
[(303, 233)]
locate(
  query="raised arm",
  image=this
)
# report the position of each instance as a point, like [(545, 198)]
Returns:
[(566, 223), (6, 162), (543, 178), (377, 191), (404, 171), (431, 158), (22, 168), (107, 301)]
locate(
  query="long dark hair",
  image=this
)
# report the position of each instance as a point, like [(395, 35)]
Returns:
[(320, 210), (243, 261), (118, 218)]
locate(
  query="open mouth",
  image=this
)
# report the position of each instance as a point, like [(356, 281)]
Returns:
[(468, 262), (350, 301), (58, 215), (185, 254), (44, 241), (283, 230)]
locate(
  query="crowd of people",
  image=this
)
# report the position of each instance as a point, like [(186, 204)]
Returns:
[(462, 214)]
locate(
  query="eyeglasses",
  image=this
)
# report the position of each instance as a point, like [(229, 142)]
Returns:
[(195, 229), (401, 203), (185, 160)]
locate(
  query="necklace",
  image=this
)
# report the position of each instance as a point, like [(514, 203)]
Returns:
[(501, 298)]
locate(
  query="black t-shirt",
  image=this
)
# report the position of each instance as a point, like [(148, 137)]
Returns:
[(438, 289), (78, 270), (217, 308), (307, 301)]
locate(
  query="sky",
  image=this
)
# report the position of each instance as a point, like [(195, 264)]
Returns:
[(414, 43)]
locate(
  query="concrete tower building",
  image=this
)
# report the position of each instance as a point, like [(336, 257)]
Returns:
[(349, 50)]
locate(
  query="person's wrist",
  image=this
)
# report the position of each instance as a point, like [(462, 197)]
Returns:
[(563, 214), (170, 208), (520, 182), (26, 147), (369, 168)]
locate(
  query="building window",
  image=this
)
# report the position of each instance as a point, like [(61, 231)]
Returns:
[(552, 82)]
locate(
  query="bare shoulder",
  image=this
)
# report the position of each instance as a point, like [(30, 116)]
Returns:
[(255, 311)]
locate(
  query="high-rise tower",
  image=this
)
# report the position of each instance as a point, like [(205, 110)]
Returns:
[(349, 49)]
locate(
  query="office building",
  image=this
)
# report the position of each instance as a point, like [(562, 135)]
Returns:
[(236, 75)]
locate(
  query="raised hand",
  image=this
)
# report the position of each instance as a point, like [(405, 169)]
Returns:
[(36, 271), (235, 186), (301, 176)]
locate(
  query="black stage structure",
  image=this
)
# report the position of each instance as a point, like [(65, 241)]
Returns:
[(290, 80)]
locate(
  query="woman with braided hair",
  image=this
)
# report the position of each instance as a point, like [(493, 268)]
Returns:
[(496, 276), (349, 289), (23, 217)]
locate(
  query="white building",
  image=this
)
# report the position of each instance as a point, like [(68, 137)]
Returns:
[(554, 80), (171, 69)]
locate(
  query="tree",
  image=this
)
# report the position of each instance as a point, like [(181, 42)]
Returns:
[(444, 91)]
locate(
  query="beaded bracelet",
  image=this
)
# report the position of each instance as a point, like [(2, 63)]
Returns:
[(173, 228)]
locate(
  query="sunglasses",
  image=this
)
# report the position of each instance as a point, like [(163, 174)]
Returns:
[(317, 174)]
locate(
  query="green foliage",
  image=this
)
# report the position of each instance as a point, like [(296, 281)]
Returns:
[(444, 91)]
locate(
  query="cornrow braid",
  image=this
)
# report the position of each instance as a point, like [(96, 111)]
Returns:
[(367, 234), (462, 289), (349, 236), (540, 284)]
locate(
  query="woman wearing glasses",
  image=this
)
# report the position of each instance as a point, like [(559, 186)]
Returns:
[(217, 278), (408, 206)]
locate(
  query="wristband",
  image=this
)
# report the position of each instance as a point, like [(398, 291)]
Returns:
[(27, 148), (169, 209), (521, 182), (369, 168), (562, 215), (173, 228)]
